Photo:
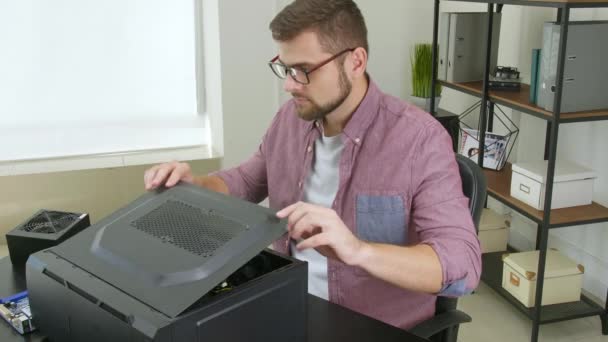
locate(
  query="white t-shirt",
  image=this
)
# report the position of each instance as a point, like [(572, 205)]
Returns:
[(320, 188)]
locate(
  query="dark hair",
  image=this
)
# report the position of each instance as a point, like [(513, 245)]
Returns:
[(338, 24)]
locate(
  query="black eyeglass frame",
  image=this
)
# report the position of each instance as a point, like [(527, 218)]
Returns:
[(291, 71)]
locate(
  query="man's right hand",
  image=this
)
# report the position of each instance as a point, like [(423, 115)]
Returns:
[(167, 174)]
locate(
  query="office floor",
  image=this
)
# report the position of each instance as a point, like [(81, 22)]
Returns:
[(494, 319)]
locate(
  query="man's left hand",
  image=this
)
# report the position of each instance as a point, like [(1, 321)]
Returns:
[(322, 229)]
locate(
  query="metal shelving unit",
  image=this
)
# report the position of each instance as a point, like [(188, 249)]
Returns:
[(492, 275), (499, 181)]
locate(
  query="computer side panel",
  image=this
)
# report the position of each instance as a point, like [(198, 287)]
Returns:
[(46, 296), (271, 308), (70, 305)]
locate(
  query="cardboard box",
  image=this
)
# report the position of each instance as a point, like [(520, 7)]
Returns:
[(563, 277), (493, 232), (572, 186)]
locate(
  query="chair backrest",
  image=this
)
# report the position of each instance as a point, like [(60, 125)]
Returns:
[(474, 187)]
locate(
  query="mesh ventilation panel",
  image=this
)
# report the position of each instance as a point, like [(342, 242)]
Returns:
[(49, 222), (197, 231)]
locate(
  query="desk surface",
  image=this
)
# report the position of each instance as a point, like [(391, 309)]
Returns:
[(326, 321)]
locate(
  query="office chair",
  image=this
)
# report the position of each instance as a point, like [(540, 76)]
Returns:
[(443, 327)]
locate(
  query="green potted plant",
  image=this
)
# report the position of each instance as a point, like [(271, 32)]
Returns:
[(422, 77)]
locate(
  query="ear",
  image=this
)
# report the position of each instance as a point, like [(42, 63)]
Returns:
[(358, 62)]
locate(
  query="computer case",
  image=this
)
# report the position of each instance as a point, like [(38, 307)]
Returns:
[(184, 264), (44, 229)]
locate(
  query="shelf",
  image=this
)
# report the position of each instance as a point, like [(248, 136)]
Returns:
[(492, 275), (519, 100), (499, 187), (547, 3), (499, 182)]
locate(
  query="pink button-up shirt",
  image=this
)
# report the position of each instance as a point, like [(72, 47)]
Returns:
[(399, 184)]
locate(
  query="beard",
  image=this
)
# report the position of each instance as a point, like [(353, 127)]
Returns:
[(315, 111)]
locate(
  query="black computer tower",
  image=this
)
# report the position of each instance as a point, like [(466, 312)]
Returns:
[(185, 264)]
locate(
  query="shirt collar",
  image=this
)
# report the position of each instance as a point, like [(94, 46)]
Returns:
[(361, 117)]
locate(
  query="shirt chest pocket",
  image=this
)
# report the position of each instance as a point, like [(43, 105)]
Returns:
[(381, 218)]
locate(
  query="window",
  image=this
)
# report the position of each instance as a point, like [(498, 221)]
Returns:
[(90, 77)]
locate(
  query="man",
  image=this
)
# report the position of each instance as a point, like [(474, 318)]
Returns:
[(369, 183)]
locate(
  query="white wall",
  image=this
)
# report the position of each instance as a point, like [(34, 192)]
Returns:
[(393, 29), (248, 85)]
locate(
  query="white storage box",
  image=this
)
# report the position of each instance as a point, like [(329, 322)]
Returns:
[(572, 186), (563, 277), (493, 232)]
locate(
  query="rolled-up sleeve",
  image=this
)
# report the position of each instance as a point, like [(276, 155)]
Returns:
[(249, 180), (441, 214)]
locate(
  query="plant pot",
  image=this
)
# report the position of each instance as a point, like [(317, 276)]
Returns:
[(424, 103)]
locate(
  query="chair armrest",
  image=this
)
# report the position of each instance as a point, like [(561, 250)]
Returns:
[(440, 322)]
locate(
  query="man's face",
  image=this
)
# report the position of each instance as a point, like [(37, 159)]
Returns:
[(329, 85)]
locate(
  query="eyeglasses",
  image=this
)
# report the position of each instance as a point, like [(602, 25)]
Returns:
[(299, 75)]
